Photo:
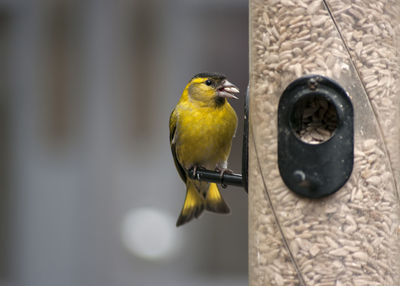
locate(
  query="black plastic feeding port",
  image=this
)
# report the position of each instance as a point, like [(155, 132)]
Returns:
[(315, 136), (227, 178)]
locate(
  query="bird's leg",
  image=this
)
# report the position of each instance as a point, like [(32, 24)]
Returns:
[(194, 169), (221, 174), (222, 171)]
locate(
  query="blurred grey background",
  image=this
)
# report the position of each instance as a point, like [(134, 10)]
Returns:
[(89, 194)]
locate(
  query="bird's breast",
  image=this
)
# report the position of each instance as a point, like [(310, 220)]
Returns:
[(204, 135)]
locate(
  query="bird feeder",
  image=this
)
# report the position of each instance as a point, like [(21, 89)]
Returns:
[(324, 156)]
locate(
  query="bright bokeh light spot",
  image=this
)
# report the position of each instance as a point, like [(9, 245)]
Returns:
[(150, 233)]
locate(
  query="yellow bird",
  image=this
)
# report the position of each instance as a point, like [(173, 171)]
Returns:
[(201, 128)]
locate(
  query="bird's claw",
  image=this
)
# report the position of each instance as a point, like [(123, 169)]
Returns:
[(194, 170), (221, 175), (223, 171)]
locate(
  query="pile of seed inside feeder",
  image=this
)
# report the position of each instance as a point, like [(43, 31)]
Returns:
[(318, 120), (351, 237), (371, 30)]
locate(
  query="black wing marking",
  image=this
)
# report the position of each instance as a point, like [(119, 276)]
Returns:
[(172, 141)]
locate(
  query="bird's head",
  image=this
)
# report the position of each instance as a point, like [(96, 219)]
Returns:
[(211, 89)]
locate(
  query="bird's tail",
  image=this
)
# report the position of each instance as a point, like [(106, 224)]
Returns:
[(195, 203), (214, 201), (193, 206)]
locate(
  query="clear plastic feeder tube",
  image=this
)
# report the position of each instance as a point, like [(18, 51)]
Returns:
[(352, 236)]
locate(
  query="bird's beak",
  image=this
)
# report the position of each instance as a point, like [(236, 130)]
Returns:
[(227, 89)]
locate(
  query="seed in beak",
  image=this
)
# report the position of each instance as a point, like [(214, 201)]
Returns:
[(227, 90)]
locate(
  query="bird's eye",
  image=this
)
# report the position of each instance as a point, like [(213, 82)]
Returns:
[(208, 82)]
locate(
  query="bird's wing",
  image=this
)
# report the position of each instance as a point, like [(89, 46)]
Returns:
[(172, 138)]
